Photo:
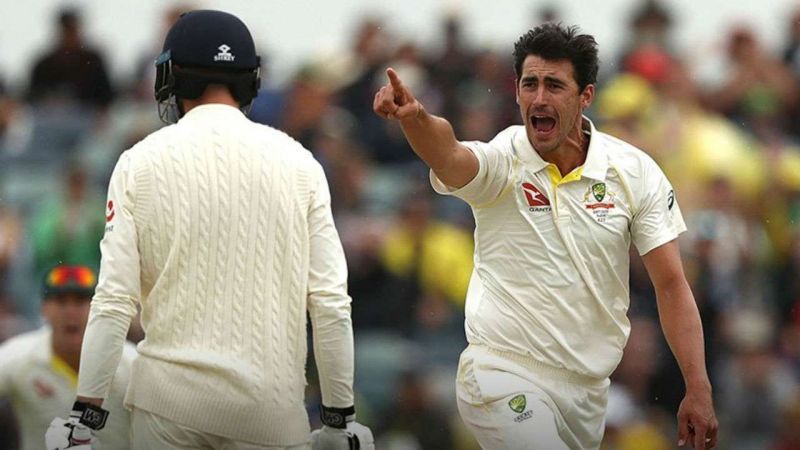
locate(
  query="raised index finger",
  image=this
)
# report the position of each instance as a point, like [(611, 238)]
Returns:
[(394, 79), (400, 93)]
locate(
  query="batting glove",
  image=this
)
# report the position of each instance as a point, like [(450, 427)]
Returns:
[(341, 432), (76, 432)]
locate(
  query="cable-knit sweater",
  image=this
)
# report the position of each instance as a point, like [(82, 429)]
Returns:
[(222, 229)]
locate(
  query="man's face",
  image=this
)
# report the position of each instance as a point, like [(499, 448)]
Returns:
[(67, 315), (550, 101)]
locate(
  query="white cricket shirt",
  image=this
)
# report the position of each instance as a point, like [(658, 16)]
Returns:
[(222, 229), (41, 387), (551, 253)]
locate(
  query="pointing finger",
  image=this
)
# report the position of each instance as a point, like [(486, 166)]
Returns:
[(397, 85), (394, 78)]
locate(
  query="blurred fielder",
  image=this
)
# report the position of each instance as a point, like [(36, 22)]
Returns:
[(222, 229), (39, 369), (557, 204)]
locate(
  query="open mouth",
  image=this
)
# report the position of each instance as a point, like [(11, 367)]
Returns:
[(543, 124), (72, 329)]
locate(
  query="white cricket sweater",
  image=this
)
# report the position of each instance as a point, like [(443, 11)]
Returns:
[(222, 229)]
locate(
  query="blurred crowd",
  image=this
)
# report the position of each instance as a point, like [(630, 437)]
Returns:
[(725, 127)]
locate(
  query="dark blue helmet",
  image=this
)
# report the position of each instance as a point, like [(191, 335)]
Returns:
[(206, 47)]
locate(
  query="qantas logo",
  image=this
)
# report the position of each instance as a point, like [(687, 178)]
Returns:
[(534, 196)]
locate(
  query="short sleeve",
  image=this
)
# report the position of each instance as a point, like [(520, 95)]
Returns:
[(658, 217), (494, 169)]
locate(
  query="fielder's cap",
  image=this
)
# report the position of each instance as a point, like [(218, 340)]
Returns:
[(211, 39), (70, 279)]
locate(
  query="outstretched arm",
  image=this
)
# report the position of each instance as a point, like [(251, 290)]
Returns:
[(431, 137), (680, 320)]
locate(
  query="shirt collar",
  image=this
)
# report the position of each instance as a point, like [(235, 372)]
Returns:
[(212, 112), (595, 166)]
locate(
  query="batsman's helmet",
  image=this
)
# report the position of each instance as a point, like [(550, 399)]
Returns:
[(201, 48)]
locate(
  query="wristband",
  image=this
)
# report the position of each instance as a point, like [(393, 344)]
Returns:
[(92, 416), (337, 417)]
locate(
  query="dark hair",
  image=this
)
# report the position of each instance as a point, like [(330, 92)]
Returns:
[(69, 18), (553, 41)]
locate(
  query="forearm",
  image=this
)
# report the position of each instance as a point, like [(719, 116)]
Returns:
[(680, 321), (102, 348), (333, 353), (432, 138)]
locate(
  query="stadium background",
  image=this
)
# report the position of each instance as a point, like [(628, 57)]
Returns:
[(709, 89)]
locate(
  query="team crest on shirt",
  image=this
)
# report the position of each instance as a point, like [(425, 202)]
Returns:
[(518, 404), (599, 191), (537, 201), (599, 208)]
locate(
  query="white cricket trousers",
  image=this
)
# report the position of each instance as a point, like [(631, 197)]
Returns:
[(152, 432), (512, 402)]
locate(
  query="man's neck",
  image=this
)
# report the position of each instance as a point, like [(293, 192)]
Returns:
[(572, 152), (213, 94), (72, 358)]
